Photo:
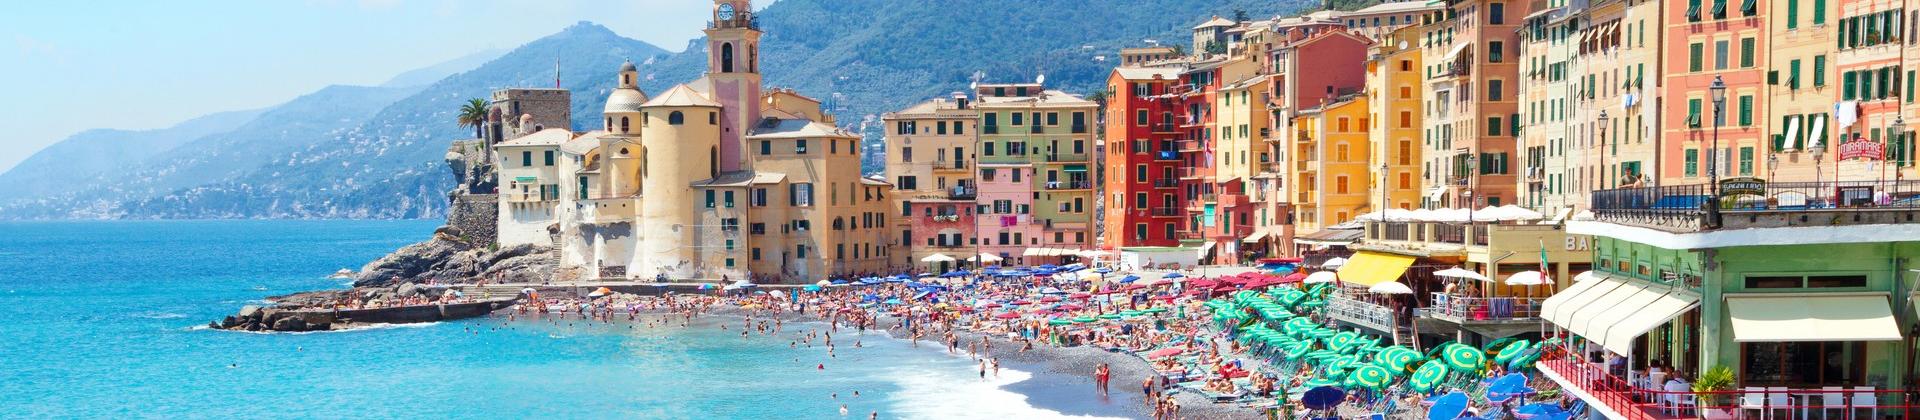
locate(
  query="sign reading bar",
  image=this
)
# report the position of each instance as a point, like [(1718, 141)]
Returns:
[(1861, 148), (1742, 186)]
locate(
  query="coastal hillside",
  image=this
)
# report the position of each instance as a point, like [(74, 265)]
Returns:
[(863, 57), (51, 171)]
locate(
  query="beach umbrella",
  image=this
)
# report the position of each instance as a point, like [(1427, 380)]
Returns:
[(1341, 341), (1059, 321), (1370, 376), (1511, 351), (1526, 278), (1322, 397), (603, 291), (1390, 288), (1166, 352), (1458, 273), (811, 288), (1526, 359), (1539, 410), (1007, 315), (1427, 376), (1344, 362), (824, 283), (1129, 278), (1080, 295), (1336, 262), (1320, 277), (1463, 357), (1396, 358), (1083, 319), (1109, 316), (1049, 299), (1448, 407), (1507, 387)]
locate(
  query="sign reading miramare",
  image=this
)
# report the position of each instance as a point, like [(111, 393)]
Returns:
[(1742, 186), (1861, 148)]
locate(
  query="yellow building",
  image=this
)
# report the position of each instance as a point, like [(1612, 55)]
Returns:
[(717, 179), (1394, 102), (1329, 160)]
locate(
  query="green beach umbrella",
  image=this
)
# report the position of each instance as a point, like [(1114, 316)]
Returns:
[(1323, 333), (1083, 319), (1059, 321), (1494, 346), (1130, 312), (1342, 341), (1511, 351), (1428, 375), (1335, 373), (1370, 377), (1463, 357), (1396, 358), (1526, 359), (1319, 382), (1109, 316), (1345, 362)]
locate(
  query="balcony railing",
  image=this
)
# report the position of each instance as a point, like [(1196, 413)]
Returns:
[(1164, 128), (1168, 211), (1166, 155), (1035, 129), (990, 129), (943, 218), (961, 193), (944, 164), (1685, 206), (1068, 185), (1079, 128), (1361, 313), (1166, 183), (1641, 398), (1460, 309), (1191, 145), (1066, 157)]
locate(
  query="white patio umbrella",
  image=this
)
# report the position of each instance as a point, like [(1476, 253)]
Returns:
[(1320, 277), (986, 258), (1336, 262), (937, 258), (1526, 278), (1391, 288), (1460, 273)]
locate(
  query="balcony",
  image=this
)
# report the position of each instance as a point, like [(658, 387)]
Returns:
[(1166, 183), (1466, 309), (942, 218), (1036, 129), (1191, 145), (1209, 197), (1362, 313), (950, 165), (961, 193), (1079, 128), (1068, 185), (1168, 212), (1638, 399), (989, 129), (1191, 173), (1067, 157), (1163, 128), (1750, 203), (1166, 155)]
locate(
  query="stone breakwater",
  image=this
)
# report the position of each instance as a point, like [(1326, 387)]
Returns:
[(277, 319)]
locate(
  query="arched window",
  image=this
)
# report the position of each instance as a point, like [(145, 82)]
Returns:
[(676, 118), (624, 125), (609, 126), (726, 57)]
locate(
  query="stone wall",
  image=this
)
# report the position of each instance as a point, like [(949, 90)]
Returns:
[(476, 216)]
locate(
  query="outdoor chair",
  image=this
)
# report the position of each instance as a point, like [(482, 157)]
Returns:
[(1779, 399), (1678, 399), (1832, 398), (1755, 399), (1863, 397)]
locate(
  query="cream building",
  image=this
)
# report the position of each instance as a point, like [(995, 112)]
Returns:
[(1393, 94), (711, 179)]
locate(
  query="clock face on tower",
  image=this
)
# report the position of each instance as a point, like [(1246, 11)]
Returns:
[(726, 11)]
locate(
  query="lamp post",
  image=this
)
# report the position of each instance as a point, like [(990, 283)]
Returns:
[(1600, 128), (1719, 95), (1899, 131)]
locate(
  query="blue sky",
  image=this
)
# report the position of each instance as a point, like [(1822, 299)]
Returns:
[(69, 66)]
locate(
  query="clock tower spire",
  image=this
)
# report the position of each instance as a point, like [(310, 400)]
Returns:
[(733, 68)]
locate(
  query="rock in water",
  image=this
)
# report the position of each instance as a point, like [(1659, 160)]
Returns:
[(291, 323), (249, 311)]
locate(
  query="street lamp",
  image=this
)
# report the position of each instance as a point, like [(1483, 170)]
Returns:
[(1719, 95), (1600, 128)]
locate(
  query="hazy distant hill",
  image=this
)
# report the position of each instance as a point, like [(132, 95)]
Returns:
[(863, 57), (55, 169), (430, 74)]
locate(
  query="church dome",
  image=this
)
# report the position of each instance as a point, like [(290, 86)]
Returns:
[(625, 100), (628, 66)]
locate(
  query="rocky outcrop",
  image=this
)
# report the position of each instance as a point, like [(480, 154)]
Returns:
[(255, 318), (447, 259)]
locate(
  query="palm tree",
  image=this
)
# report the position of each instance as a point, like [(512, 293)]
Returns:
[(473, 114)]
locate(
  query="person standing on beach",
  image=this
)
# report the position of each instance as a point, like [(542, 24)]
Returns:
[(983, 369), (1100, 378)]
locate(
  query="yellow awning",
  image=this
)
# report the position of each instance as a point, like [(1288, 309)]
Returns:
[(1368, 268), (1255, 237), (1797, 317)]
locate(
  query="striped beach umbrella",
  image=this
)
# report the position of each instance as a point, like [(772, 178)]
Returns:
[(1370, 377), (1463, 357), (1342, 341), (1396, 358), (1427, 376), (1511, 351)]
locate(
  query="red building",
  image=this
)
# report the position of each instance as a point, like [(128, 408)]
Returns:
[(1145, 205)]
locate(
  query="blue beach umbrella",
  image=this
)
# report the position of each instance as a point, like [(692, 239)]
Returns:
[(1129, 278), (1448, 407), (956, 273), (1172, 276), (1507, 387), (1322, 398), (1537, 410), (811, 288)]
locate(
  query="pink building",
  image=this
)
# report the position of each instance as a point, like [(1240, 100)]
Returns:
[(1005, 212)]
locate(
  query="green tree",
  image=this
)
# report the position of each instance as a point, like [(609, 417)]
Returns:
[(473, 114)]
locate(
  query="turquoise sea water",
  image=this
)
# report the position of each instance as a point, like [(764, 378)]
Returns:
[(99, 319)]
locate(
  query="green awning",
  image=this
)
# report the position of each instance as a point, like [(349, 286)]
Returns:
[(1076, 168), (525, 179)]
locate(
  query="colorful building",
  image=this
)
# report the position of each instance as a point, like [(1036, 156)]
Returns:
[(1143, 203), (1036, 149), (1393, 93), (930, 159), (1704, 43), (1473, 51)]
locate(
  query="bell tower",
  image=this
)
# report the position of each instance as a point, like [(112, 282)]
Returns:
[(733, 67)]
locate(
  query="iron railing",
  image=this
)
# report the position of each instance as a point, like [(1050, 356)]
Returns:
[(1687, 205)]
